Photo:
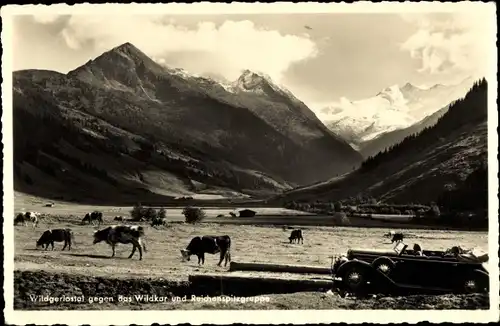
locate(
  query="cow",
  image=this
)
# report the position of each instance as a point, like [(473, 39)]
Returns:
[(92, 217), (124, 234), (296, 235), (26, 217), (210, 245), (232, 214), (118, 218), (19, 219), (395, 236), (56, 235)]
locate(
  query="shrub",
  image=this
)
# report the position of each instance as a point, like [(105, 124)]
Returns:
[(193, 214), (150, 213), (162, 214), (137, 212)]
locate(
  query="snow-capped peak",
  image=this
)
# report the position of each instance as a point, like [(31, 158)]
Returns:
[(183, 73), (392, 108), (408, 87), (394, 96)]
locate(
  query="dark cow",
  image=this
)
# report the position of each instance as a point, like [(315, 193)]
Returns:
[(118, 218), (92, 217), (124, 234), (396, 236), (210, 245), (296, 235), (55, 235), (19, 219)]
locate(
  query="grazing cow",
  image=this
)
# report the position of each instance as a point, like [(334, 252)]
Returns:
[(396, 236), (118, 218), (210, 245), (56, 235), (92, 217), (124, 234), (27, 217), (19, 219), (49, 205), (296, 235)]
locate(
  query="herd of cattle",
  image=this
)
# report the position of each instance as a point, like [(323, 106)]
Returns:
[(134, 234)]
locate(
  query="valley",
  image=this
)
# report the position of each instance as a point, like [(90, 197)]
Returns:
[(123, 129), (446, 163)]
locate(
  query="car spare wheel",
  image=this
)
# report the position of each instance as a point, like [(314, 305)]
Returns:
[(354, 278), (475, 283), (383, 264)]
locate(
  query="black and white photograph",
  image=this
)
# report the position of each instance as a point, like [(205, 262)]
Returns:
[(250, 163)]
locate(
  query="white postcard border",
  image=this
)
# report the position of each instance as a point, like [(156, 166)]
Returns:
[(197, 317)]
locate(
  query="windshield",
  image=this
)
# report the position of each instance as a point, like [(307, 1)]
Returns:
[(399, 247)]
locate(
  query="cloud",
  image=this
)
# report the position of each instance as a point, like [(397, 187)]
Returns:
[(447, 43), (226, 49)]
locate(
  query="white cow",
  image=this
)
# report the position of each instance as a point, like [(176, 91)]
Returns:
[(25, 217)]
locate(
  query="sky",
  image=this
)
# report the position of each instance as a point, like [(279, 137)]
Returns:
[(319, 57)]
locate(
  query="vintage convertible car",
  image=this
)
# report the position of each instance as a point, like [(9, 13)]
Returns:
[(404, 271)]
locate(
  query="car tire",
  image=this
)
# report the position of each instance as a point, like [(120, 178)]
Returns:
[(475, 283), (355, 278)]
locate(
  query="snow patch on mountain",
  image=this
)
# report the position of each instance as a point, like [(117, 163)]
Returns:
[(393, 108)]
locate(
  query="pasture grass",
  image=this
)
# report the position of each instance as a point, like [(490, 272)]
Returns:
[(249, 244), (266, 244)]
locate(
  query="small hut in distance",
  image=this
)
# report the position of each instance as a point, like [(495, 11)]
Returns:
[(247, 213)]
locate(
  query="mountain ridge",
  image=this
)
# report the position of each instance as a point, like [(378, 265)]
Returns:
[(145, 117)]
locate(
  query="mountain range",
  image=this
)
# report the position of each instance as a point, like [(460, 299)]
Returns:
[(445, 160), (123, 126), (375, 123)]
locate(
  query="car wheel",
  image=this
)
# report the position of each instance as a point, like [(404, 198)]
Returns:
[(475, 284), (354, 278), (383, 265)]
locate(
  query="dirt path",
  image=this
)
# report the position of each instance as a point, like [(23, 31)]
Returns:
[(97, 293)]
